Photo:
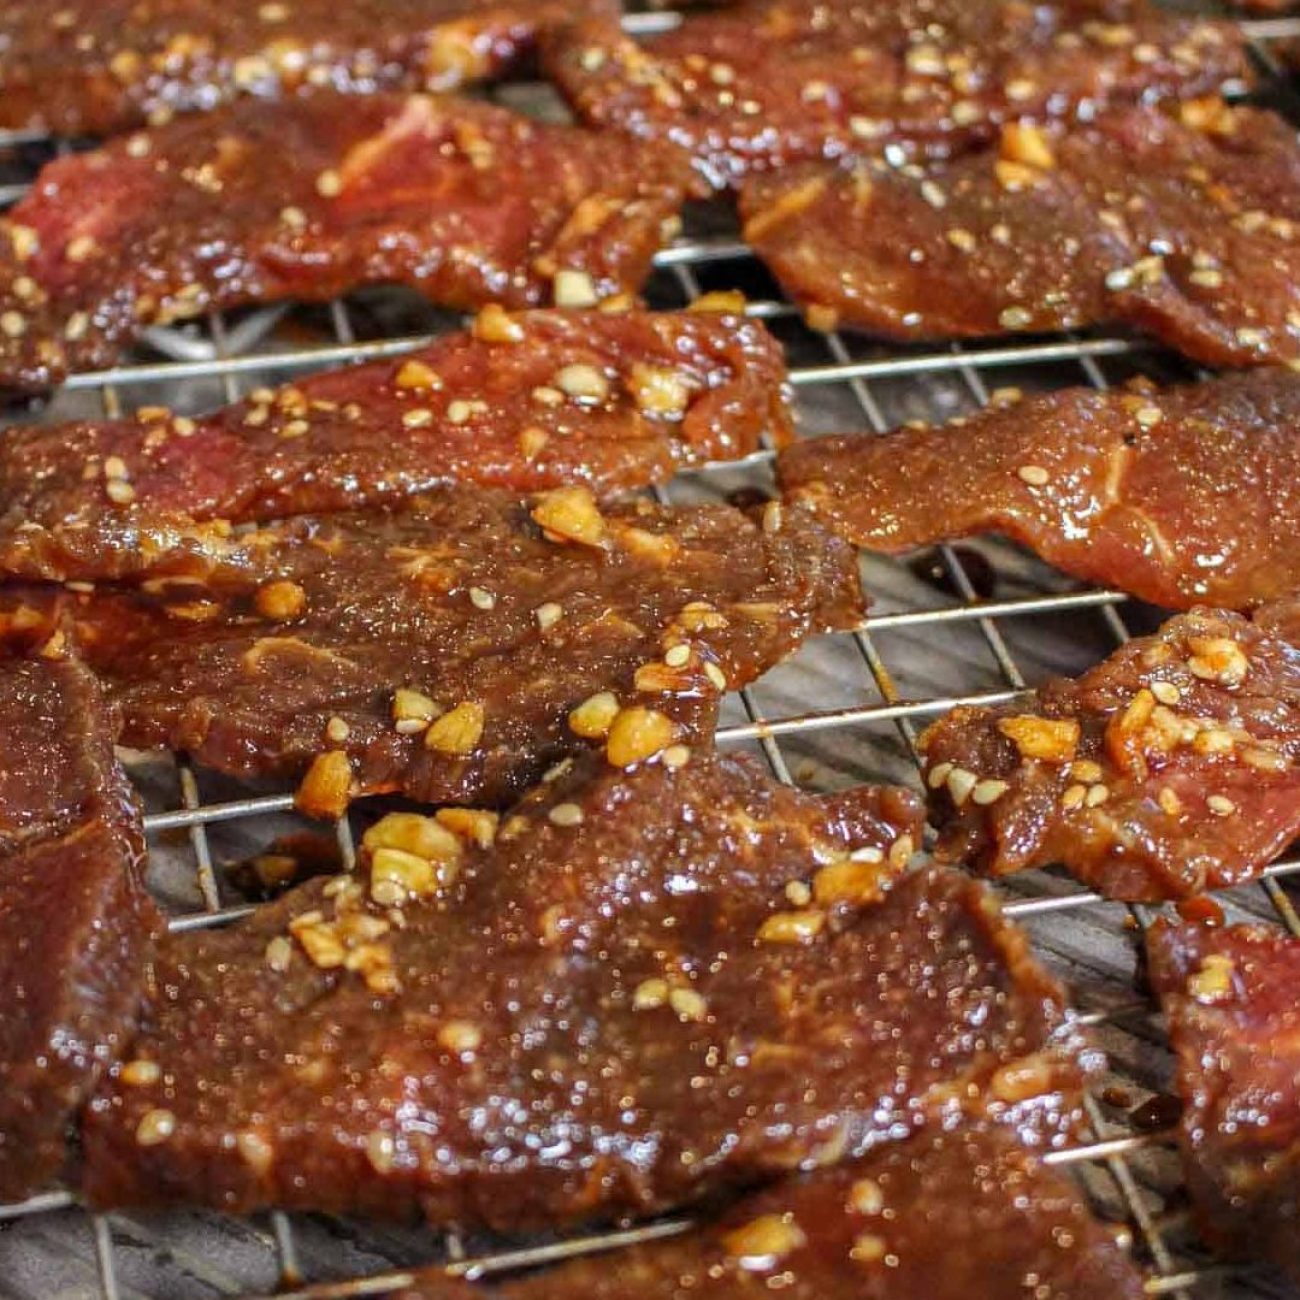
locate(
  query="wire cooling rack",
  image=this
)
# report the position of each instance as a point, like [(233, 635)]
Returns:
[(968, 624)]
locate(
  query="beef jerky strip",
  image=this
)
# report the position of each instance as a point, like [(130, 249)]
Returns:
[(440, 652), (1178, 495), (945, 252), (1188, 229), (773, 82), (652, 986), (465, 202), (75, 922), (97, 67), (1167, 770), (938, 1217), (528, 401), (1234, 1017)]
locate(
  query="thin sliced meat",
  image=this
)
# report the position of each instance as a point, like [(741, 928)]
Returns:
[(465, 202), (440, 651), (1188, 229), (1211, 204), (981, 246), (653, 986), (1178, 495), (772, 82), (942, 1217), (1230, 996), (76, 926), (1172, 768), (527, 401), (97, 67)]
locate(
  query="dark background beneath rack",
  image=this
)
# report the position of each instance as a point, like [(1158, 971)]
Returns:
[(969, 623)]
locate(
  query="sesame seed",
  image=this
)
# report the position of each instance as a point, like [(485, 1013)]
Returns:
[(482, 599), (1074, 796), (548, 615), (1034, 475), (119, 491), (678, 656), (329, 184), (337, 731), (583, 382), (141, 1073), (155, 1127), (14, 324), (1166, 692), (1097, 795), (565, 814), (675, 756), (937, 775), (419, 418), (933, 194), (1148, 416), (960, 784), (688, 1004), (1220, 805), (1014, 318), (715, 675), (987, 792)]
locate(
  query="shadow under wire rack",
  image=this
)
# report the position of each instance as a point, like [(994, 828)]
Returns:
[(966, 624)]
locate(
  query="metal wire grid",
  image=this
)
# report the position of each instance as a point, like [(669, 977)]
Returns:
[(236, 354)]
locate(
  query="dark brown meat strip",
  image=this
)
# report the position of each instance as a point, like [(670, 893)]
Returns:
[(1211, 204), (530, 401), (309, 639), (942, 1217), (772, 82), (981, 246), (1167, 770), (96, 67), (1178, 495), (1234, 1017), (75, 923), (655, 985), (465, 202), (1188, 229)]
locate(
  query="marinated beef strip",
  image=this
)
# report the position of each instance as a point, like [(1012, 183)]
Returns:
[(774, 82), (947, 252), (465, 202), (75, 923), (440, 652), (98, 67), (1188, 229), (938, 1217), (529, 401), (1172, 768), (656, 983), (1234, 1017), (1178, 495)]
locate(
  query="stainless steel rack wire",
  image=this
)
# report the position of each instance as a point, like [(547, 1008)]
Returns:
[(845, 709)]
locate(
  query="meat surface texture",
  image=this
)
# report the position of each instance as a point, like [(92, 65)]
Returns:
[(1180, 495), (440, 651), (1169, 769), (98, 67), (655, 984), (773, 82), (464, 202), (75, 923), (528, 401), (1185, 228), (1230, 996), (934, 1218)]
